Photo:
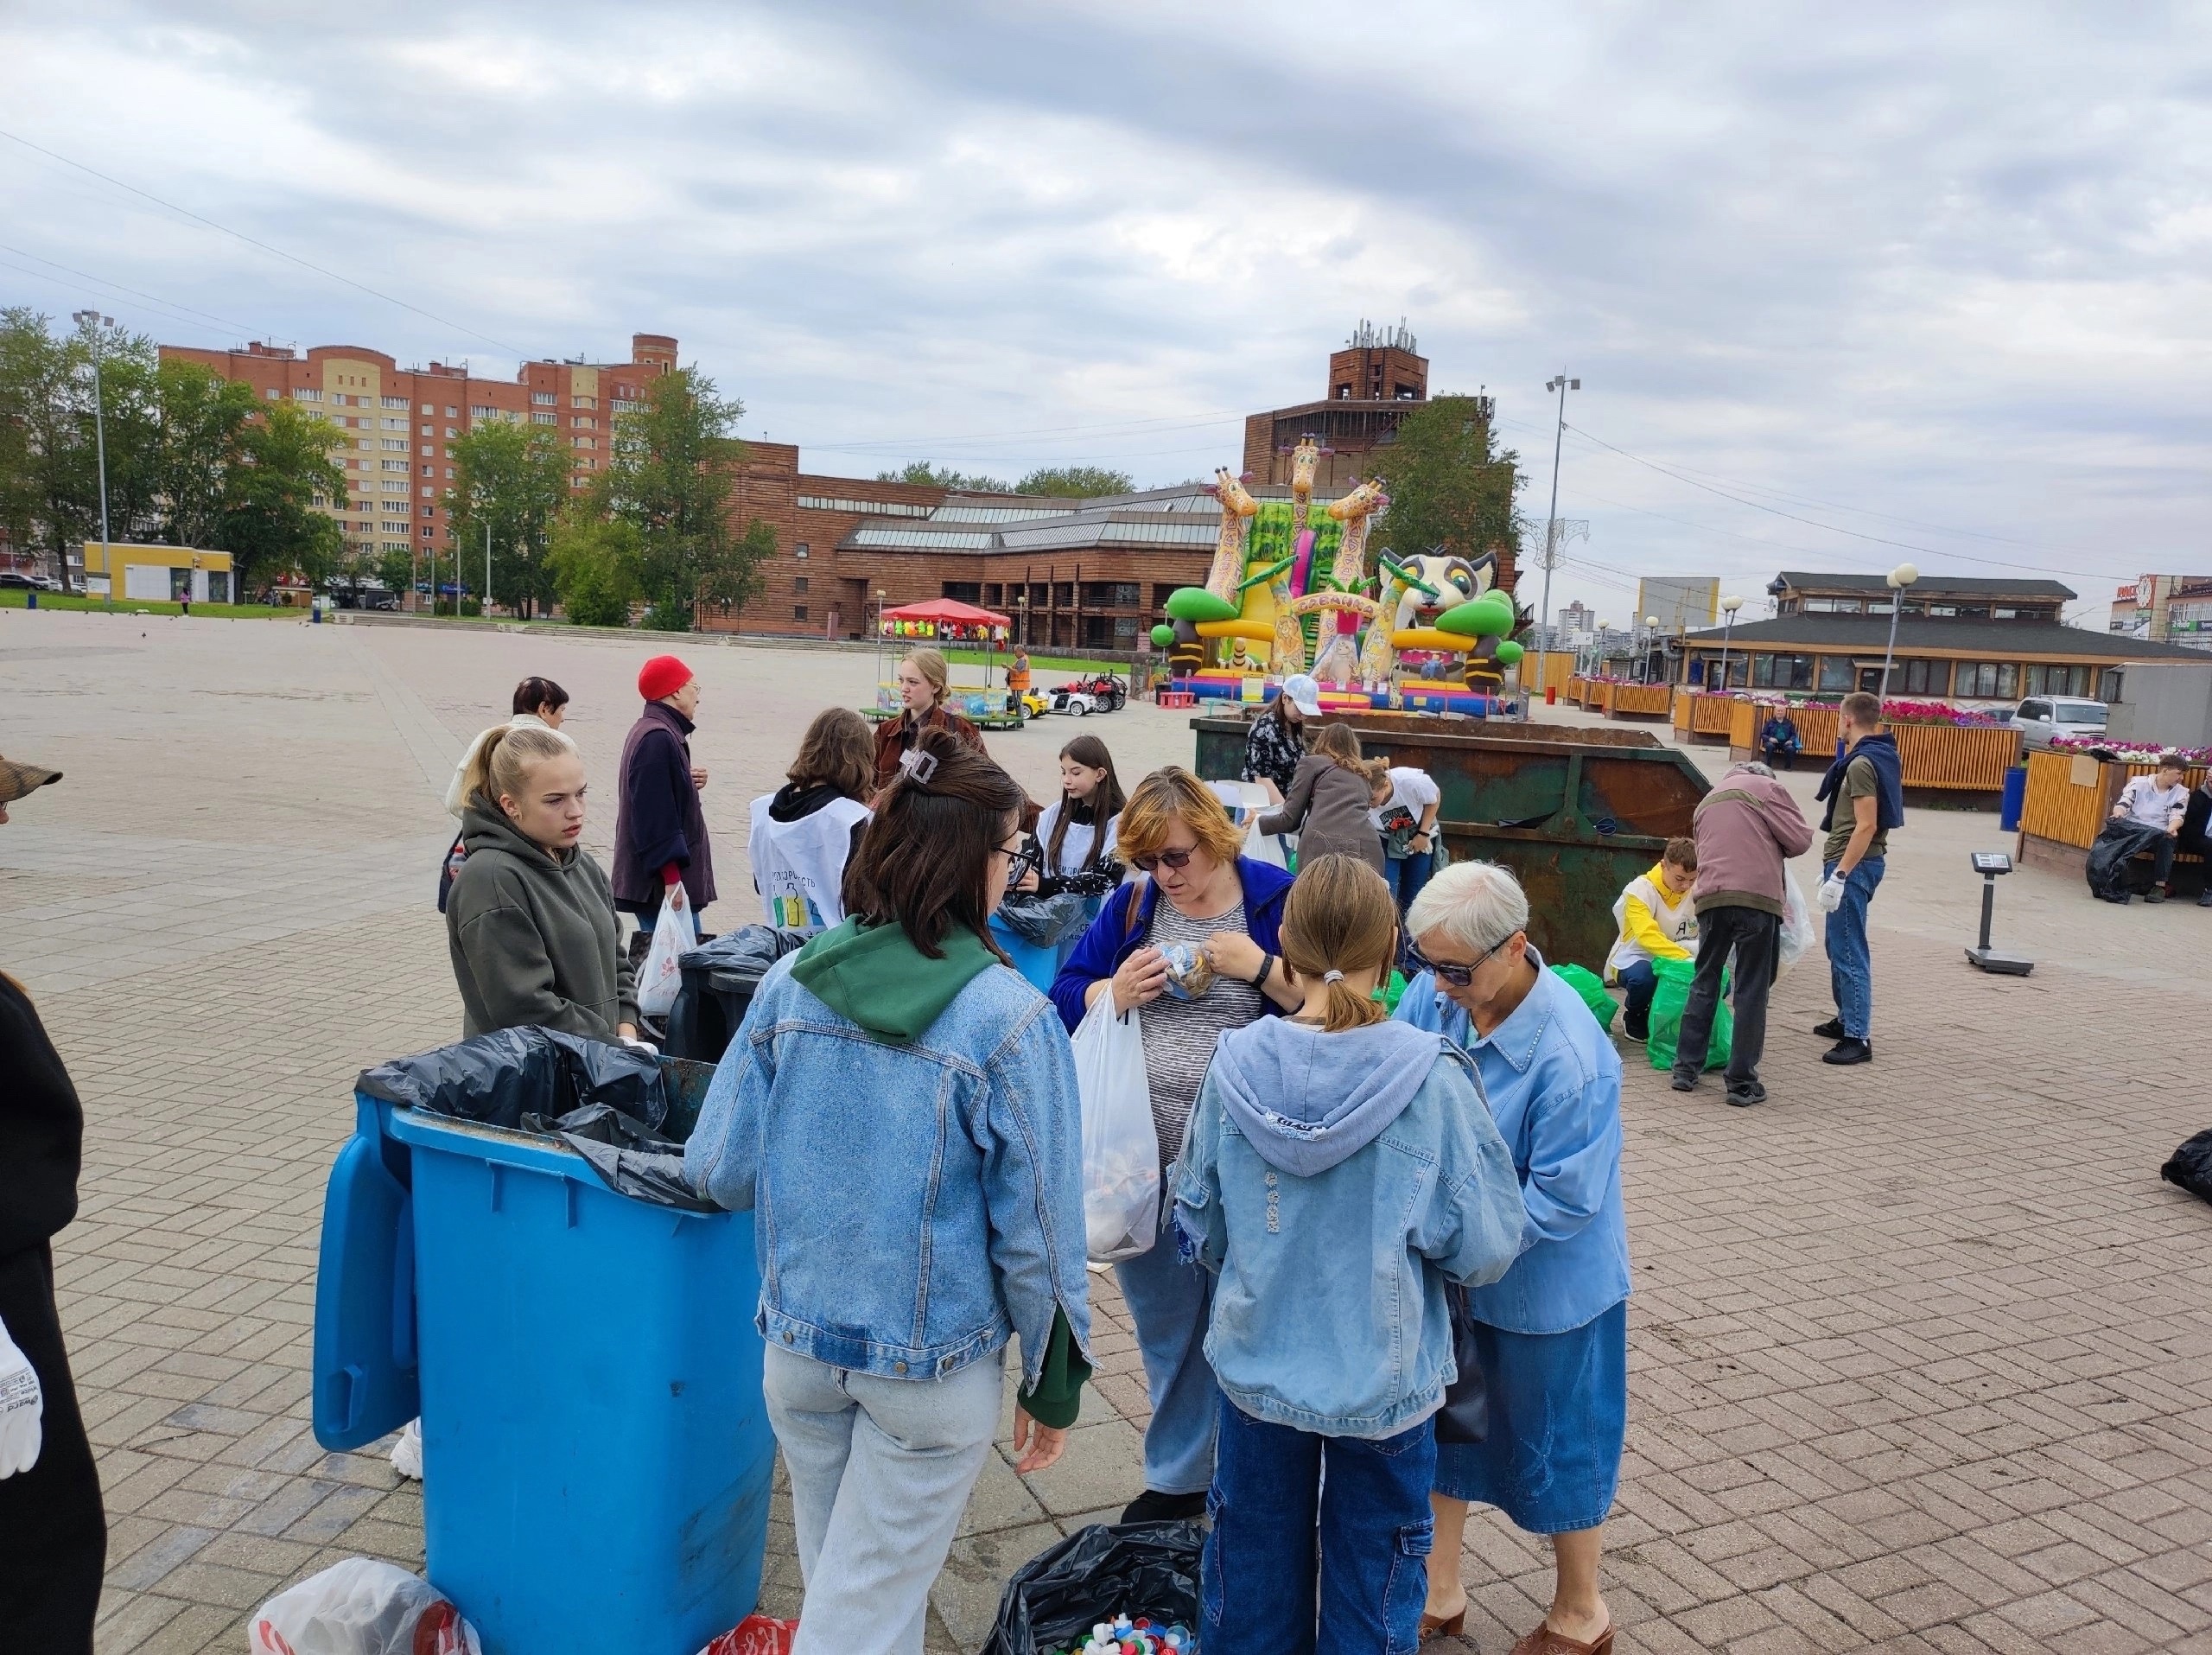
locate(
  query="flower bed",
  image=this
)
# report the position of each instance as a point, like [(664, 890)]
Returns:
[(2130, 752)]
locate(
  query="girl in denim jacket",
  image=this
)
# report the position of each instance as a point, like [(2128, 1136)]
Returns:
[(1339, 1169)]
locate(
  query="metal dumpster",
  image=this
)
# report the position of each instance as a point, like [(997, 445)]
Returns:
[(1575, 813)]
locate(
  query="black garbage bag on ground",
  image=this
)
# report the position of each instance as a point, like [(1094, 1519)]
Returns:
[(1131, 1569), (2190, 1166), (630, 1159), (497, 1077), (2116, 842), (719, 979), (1045, 922)]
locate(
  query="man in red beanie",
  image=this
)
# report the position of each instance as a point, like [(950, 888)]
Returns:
[(660, 830)]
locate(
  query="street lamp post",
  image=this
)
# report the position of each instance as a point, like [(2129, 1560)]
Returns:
[(1650, 641), (91, 321), (1729, 605), (1900, 577), (1562, 385), (485, 607)]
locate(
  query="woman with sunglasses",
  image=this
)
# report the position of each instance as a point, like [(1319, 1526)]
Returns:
[(892, 1281), (1552, 1331), (1201, 905)]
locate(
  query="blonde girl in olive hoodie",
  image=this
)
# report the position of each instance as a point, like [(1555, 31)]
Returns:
[(529, 921)]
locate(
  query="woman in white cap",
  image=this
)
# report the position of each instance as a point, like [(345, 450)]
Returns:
[(1277, 740)]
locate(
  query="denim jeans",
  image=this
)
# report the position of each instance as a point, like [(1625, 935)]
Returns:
[(1275, 1492), (1642, 983), (880, 1473), (1407, 875), (1850, 968), (1171, 1302)]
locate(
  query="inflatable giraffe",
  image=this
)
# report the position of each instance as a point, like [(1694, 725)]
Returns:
[(1288, 655), (1338, 660)]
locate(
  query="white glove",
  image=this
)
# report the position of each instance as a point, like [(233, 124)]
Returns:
[(1831, 894), (637, 1045), (22, 1407)]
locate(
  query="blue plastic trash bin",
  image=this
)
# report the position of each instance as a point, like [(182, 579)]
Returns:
[(2014, 799), (597, 1458), (1039, 965)]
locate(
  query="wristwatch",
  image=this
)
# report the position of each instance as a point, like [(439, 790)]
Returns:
[(1267, 964)]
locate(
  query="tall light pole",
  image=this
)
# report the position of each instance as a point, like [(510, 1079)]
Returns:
[(1562, 385), (91, 321), (485, 608), (1650, 641), (1900, 577), (1728, 607)]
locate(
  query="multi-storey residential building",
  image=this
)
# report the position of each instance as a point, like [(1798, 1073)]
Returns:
[(402, 420), (2166, 608)]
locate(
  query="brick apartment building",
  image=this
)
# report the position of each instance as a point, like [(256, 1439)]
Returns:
[(405, 418), (1374, 383)]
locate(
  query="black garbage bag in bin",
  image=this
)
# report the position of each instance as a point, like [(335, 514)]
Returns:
[(1131, 1569), (719, 979), (627, 1112), (497, 1078)]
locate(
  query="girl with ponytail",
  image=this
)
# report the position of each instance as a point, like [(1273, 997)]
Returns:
[(1339, 1171)]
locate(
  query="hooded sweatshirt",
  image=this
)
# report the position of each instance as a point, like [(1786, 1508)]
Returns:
[(1335, 1182), (534, 940)]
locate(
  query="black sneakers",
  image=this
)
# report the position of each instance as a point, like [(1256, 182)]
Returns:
[(1831, 1030), (1848, 1050), (1682, 1080), (1743, 1097)]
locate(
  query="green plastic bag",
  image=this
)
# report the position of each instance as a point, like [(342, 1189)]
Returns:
[(1588, 984), (1667, 1000)]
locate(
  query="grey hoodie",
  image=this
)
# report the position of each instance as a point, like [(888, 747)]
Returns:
[(1335, 1182), (1309, 1100), (534, 941)]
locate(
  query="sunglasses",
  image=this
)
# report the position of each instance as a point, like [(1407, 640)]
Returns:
[(1178, 860), (1458, 976)]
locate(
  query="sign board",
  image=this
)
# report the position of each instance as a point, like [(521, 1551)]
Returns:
[(2084, 770)]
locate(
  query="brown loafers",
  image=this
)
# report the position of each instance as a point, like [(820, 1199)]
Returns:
[(1545, 1641)]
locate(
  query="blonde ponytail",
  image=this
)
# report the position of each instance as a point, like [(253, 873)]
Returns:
[(1340, 920), (504, 758)]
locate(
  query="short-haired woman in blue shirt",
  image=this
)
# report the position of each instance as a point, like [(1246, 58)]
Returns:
[(1552, 1331)]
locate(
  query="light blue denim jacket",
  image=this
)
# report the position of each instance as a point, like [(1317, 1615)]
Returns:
[(913, 1204), (1554, 1083), (1333, 1182)]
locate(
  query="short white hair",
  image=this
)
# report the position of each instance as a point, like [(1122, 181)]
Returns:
[(1477, 904)]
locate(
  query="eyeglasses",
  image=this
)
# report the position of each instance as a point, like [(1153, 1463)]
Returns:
[(1178, 860), (1458, 976), (1018, 862)]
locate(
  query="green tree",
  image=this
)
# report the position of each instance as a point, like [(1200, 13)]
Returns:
[(515, 478), (203, 418), (269, 523), (593, 561), (669, 478), (395, 569), (1075, 482), (50, 490), (1450, 484), (933, 476)]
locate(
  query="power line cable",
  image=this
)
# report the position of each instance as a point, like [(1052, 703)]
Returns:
[(251, 241), (169, 304)]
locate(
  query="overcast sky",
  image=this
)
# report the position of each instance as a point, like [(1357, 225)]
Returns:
[(1928, 274)]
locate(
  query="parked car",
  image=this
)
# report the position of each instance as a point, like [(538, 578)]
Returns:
[(15, 581), (2042, 719)]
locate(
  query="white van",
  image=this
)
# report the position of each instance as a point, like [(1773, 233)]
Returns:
[(2041, 719)]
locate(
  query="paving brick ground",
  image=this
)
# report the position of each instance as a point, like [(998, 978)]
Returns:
[(1919, 1351)]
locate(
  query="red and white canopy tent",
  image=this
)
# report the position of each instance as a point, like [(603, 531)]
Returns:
[(944, 621)]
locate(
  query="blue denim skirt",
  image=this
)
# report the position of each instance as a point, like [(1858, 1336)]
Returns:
[(1558, 1411)]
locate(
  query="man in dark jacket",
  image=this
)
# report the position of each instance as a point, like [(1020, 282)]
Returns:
[(1865, 791), (660, 830), (55, 1534)]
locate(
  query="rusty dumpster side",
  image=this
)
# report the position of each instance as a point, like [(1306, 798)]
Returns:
[(1575, 813)]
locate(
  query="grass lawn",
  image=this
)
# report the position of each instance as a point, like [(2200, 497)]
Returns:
[(1038, 664), (13, 598)]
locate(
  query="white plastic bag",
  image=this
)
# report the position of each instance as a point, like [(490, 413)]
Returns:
[(361, 1607), (1796, 925), (22, 1407), (1121, 1149), (658, 978), (1246, 802)]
